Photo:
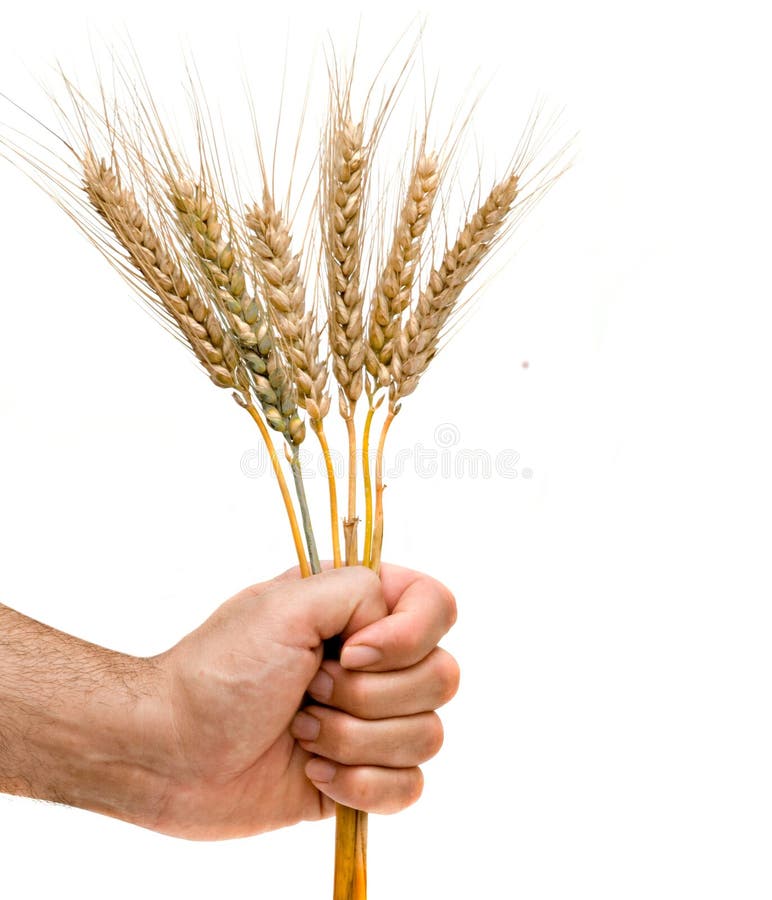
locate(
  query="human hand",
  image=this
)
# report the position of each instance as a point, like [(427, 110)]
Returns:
[(233, 749)]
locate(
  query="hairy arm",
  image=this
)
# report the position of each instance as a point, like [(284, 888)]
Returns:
[(78, 723)]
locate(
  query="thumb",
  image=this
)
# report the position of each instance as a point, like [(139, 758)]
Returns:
[(303, 613), (273, 633)]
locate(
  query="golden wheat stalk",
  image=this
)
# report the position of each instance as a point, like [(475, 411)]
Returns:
[(284, 292), (342, 192), (418, 340), (270, 372), (343, 187), (391, 297)]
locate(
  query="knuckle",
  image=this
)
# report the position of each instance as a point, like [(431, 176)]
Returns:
[(434, 736), (404, 788), (447, 676), (412, 643), (291, 574), (451, 607), (445, 601), (343, 730), (415, 787), (359, 696), (368, 579), (365, 790)]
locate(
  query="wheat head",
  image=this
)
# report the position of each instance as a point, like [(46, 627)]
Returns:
[(269, 374), (342, 209), (418, 340), (284, 293), (199, 324), (393, 289)]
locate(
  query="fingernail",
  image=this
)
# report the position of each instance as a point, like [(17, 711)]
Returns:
[(305, 727), (359, 656), (321, 685), (320, 770)]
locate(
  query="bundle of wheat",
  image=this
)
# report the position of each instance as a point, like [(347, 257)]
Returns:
[(224, 277)]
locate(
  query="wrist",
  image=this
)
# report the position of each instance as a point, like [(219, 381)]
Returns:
[(109, 747)]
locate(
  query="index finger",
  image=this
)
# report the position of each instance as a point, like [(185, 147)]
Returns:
[(421, 611)]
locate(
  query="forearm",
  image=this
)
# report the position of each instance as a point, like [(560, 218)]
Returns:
[(78, 723)]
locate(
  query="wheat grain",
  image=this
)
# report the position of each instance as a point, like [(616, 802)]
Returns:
[(119, 207), (418, 340), (269, 373), (285, 295), (393, 290)]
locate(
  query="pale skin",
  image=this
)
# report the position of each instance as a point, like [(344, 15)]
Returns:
[(242, 726)]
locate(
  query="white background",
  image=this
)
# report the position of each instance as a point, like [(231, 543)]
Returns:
[(612, 735)]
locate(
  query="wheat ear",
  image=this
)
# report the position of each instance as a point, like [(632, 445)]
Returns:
[(342, 206), (284, 292), (119, 207), (270, 376), (390, 299), (418, 341), (393, 289)]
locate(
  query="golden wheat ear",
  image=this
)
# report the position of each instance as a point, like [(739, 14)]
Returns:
[(119, 208), (284, 292), (417, 342), (279, 270), (393, 290), (269, 374), (344, 200)]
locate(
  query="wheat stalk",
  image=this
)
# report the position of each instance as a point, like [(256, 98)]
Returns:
[(342, 207), (270, 374), (285, 294), (417, 341), (391, 297)]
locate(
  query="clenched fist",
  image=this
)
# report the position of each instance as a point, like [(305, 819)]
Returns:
[(242, 726)]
